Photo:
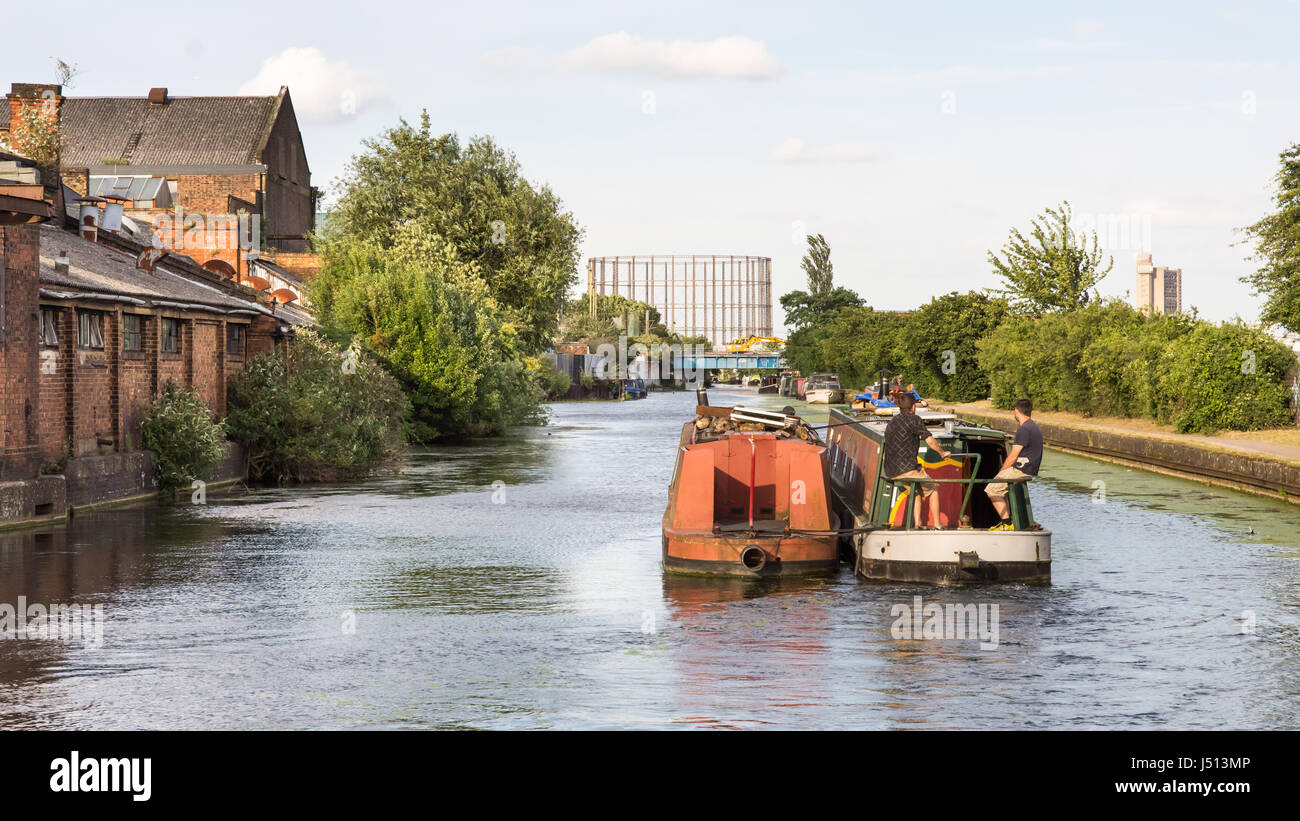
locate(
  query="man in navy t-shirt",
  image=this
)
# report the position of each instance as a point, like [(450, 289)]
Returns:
[(1022, 461)]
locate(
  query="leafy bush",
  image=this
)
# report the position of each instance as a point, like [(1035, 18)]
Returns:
[(1109, 359), (185, 435), (1227, 376), (935, 348), (553, 383), (429, 318), (316, 413), (860, 342)]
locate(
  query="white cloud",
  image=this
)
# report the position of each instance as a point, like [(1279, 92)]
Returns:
[(797, 150), (323, 90), (735, 57)]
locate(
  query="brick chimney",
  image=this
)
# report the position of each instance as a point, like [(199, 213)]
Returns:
[(44, 100), (24, 98), (158, 96)]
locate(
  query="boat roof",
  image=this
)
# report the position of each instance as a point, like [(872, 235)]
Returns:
[(951, 424)]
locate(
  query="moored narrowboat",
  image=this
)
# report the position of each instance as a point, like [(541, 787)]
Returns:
[(824, 389), (634, 389), (788, 379), (750, 496), (962, 549)]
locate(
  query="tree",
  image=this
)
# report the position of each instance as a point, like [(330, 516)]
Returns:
[(938, 350), (1054, 268), (65, 72), (1277, 248), (859, 342), (803, 309), (817, 265), (520, 240), (808, 316), (428, 316)]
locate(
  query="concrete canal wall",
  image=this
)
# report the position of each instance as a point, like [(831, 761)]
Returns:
[(1236, 464), (96, 481)]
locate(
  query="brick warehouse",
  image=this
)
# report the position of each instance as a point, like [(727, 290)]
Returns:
[(93, 327), (205, 157)]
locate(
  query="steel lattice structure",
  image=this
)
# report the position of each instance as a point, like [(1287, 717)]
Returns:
[(721, 296)]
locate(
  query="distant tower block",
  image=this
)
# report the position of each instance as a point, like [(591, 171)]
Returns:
[(719, 296), (1159, 289)]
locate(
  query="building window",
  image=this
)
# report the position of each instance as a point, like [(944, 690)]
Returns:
[(90, 330), (235, 339), (132, 332), (171, 335), (49, 326)]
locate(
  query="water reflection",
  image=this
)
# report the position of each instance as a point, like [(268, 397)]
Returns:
[(516, 583), (789, 632)]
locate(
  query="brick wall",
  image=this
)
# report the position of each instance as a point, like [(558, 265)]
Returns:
[(19, 404), (208, 193), (306, 265), (261, 336), (93, 401), (70, 400), (78, 179), (92, 416), (27, 97), (55, 384), (209, 377)]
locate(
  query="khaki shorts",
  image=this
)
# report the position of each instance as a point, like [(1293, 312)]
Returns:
[(999, 490), (926, 489)]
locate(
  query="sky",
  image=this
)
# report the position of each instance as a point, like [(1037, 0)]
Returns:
[(912, 136)]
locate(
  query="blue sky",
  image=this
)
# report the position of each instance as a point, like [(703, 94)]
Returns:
[(912, 136)]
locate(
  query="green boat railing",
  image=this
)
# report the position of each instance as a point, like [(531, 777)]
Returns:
[(970, 483)]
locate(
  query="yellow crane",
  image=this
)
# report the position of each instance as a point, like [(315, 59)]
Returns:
[(745, 344)]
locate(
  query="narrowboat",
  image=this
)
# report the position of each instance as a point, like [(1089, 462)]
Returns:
[(768, 384), (634, 389), (788, 380), (824, 389), (877, 512), (750, 496)]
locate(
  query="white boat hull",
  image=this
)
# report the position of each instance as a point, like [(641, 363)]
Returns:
[(955, 556), (823, 396)]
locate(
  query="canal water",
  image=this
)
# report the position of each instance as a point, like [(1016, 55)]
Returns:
[(515, 583)]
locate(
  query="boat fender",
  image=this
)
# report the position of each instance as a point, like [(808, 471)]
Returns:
[(753, 557)]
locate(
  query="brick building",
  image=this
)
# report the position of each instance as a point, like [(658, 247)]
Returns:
[(92, 325), (191, 163), (22, 209)]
